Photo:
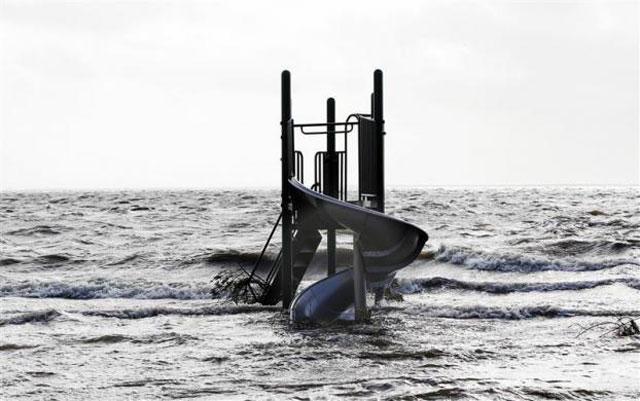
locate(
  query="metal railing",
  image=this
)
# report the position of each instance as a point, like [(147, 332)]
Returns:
[(318, 173), (348, 127), (253, 277), (299, 166)]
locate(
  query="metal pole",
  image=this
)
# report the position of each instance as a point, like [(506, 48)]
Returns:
[(330, 187), (287, 206), (331, 181), (359, 283), (373, 105), (378, 116)]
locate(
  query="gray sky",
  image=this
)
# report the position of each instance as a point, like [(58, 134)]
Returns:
[(184, 94)]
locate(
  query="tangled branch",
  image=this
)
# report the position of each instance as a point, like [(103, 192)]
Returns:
[(622, 327)]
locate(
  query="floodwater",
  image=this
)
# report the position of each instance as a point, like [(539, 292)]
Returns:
[(107, 295)]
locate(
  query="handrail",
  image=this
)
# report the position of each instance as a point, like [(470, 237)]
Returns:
[(299, 166), (272, 269), (264, 249), (348, 125), (318, 167), (322, 124), (342, 175)]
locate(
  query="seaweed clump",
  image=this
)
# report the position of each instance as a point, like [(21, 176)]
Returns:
[(239, 287), (622, 327)]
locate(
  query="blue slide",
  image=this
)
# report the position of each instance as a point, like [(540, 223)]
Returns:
[(387, 244)]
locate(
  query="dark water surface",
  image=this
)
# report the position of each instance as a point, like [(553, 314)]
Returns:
[(105, 295)]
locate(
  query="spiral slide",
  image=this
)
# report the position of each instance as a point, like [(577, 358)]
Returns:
[(386, 244)]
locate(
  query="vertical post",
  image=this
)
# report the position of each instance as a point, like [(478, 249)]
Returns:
[(331, 181), (379, 120), (373, 105), (285, 122), (359, 283)]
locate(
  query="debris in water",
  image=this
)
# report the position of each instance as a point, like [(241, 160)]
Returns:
[(622, 327), (237, 286)]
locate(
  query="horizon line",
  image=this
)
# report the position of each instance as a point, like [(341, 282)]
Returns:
[(273, 188)]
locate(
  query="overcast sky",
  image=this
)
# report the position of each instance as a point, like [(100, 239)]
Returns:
[(185, 94)]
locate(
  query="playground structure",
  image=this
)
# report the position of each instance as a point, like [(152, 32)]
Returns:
[(381, 244)]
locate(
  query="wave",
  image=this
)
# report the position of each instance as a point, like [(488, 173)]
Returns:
[(99, 289), (143, 313), (182, 291), (402, 354), (231, 256), (126, 260), (107, 339), (160, 338), (574, 247), (16, 347), (38, 230), (512, 313), (542, 393), (470, 312), (52, 259), (218, 310), (45, 261), (42, 316), (412, 286), (520, 263), (8, 261), (48, 315), (140, 208)]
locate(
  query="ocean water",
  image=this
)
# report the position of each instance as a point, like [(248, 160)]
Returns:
[(107, 295)]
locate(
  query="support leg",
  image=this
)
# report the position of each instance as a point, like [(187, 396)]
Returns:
[(359, 283), (331, 252)]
